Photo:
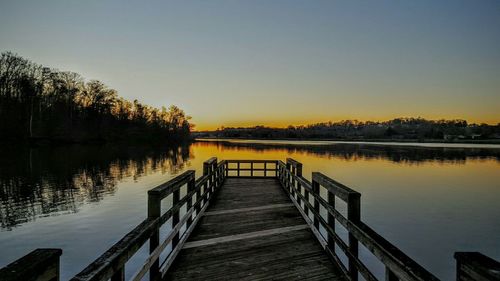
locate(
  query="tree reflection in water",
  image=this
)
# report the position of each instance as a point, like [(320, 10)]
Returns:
[(51, 181), (354, 151)]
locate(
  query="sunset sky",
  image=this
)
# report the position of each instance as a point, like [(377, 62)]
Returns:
[(244, 63)]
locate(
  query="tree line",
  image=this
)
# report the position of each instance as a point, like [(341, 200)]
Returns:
[(396, 129), (41, 103)]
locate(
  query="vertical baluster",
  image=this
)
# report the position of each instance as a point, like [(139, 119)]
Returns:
[(214, 174), (298, 168), (265, 169), (251, 169), (189, 203), (154, 210), (354, 215), (331, 221), (238, 169), (119, 275), (208, 184), (175, 216), (315, 190), (306, 197), (389, 275)]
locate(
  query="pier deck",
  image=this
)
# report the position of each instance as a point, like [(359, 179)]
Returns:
[(252, 231)]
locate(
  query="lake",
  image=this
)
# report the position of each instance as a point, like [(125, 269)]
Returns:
[(429, 200)]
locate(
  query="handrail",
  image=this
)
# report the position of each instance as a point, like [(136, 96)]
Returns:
[(398, 265), (473, 266), (269, 168), (40, 265), (111, 264)]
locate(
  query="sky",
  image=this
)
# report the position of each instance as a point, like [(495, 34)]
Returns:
[(274, 62)]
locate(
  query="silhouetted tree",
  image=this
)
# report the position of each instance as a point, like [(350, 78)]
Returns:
[(39, 102)]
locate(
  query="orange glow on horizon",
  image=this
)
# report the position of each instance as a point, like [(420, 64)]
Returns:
[(202, 126)]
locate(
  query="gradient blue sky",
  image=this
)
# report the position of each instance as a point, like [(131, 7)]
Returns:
[(274, 62)]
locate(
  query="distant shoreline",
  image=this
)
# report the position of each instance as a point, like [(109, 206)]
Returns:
[(493, 144)]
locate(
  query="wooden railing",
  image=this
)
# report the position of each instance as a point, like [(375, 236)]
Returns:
[(474, 266), (43, 264), (198, 193), (39, 265), (251, 168), (307, 197)]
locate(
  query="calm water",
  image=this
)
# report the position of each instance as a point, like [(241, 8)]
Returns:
[(429, 201)]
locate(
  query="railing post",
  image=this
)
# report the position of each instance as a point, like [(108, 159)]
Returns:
[(40, 265), (215, 174), (119, 275), (176, 197), (306, 197), (389, 275), (354, 215), (288, 176), (473, 266), (189, 203), (299, 174), (331, 221), (154, 212), (238, 169), (315, 188), (208, 183), (265, 169)]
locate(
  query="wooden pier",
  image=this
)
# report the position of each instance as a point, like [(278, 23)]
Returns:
[(254, 220)]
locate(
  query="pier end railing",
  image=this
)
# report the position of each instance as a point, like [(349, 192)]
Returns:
[(38, 265)]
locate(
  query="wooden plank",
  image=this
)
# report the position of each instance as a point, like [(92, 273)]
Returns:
[(266, 207), (255, 234), (243, 206), (287, 256)]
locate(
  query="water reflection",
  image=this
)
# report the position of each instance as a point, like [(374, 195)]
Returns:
[(354, 152), (53, 181)]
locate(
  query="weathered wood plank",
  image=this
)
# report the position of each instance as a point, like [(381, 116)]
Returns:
[(277, 255)]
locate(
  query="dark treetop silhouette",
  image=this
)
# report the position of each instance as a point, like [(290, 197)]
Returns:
[(38, 102), (396, 129)]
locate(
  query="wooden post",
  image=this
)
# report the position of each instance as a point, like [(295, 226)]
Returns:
[(189, 203), (331, 221), (238, 169), (315, 188), (389, 275), (154, 210), (207, 171), (119, 275), (306, 197), (214, 175), (175, 216), (206, 185), (473, 266), (354, 215), (40, 265), (265, 169), (251, 169)]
